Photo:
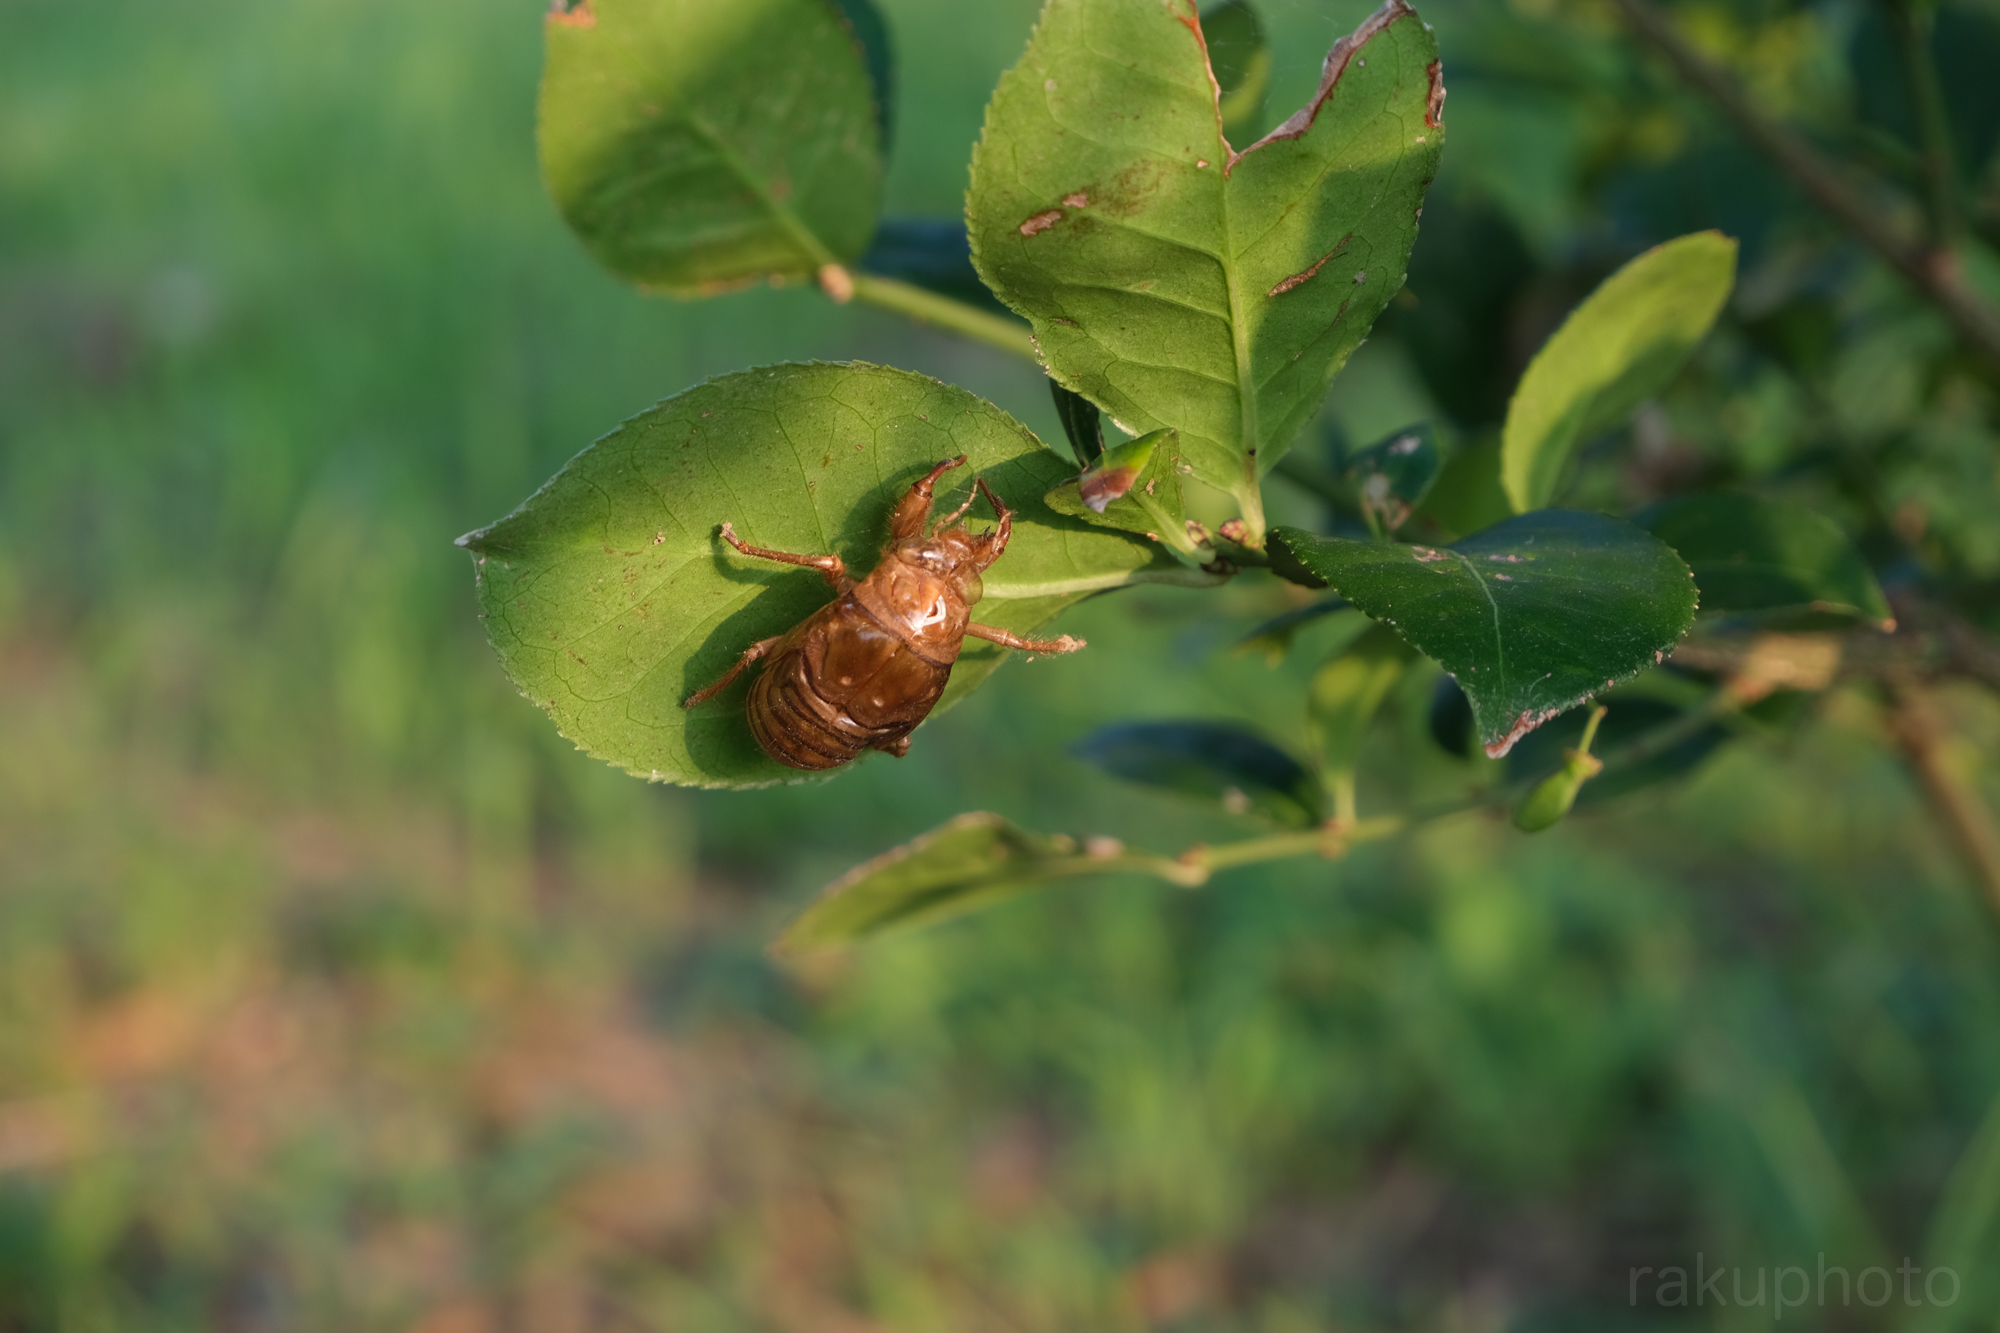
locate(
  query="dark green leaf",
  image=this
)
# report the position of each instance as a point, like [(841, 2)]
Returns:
[(1450, 720), (695, 145), (1468, 496), (611, 599), (1625, 720), (1392, 478), (1750, 554), (974, 861), (931, 253), (1274, 636), (1624, 344), (1172, 280), (1218, 761), (1532, 616), (1241, 59), (1081, 422), (878, 55)]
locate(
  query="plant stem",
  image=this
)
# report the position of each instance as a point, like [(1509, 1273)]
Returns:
[(1914, 722), (1935, 273), (1914, 22), (1001, 331)]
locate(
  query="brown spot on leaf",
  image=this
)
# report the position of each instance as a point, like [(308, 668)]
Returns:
[(1300, 279), (1077, 200), (578, 15), (1041, 222), (1434, 108), (1101, 487)]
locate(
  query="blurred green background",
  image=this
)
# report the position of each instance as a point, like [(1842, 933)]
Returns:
[(338, 992)]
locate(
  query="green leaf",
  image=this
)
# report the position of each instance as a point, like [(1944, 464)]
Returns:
[(1081, 422), (1392, 478), (1241, 58), (1532, 616), (1134, 487), (974, 861), (611, 599), (1347, 692), (1215, 761), (1755, 555), (1169, 278), (1624, 344), (694, 145)]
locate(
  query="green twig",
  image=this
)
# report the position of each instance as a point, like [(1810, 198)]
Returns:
[(1935, 273), (919, 303)]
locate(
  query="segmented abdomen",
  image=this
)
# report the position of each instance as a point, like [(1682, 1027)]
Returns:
[(842, 684)]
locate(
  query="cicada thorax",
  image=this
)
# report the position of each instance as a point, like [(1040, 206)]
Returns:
[(861, 673)]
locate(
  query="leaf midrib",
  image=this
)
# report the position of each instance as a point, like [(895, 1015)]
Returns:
[(806, 238)]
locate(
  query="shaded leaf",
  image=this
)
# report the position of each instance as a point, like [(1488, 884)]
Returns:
[(1274, 637), (611, 599), (878, 56), (1081, 422), (1750, 554), (695, 145), (1392, 478), (1544, 752), (1218, 761), (1134, 487), (931, 253), (1532, 616), (1169, 278), (1241, 58), (1451, 722), (1347, 692), (1624, 344), (974, 861), (1467, 495)]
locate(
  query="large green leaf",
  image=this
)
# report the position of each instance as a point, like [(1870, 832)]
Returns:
[(1171, 279), (1763, 556), (974, 861), (694, 145), (1624, 344), (1532, 616), (611, 598)]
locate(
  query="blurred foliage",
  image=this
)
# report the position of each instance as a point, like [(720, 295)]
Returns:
[(337, 993)]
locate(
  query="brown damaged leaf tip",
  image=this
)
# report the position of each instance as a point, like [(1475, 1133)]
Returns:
[(1434, 108)]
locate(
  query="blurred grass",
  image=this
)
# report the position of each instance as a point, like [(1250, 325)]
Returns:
[(337, 992)]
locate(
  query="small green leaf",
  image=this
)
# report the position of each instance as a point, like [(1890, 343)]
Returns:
[(1241, 59), (974, 861), (1391, 479), (1532, 616), (1081, 422), (611, 599), (1347, 692), (1134, 487), (1624, 344), (1173, 280), (1216, 761), (1755, 555), (694, 145)]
